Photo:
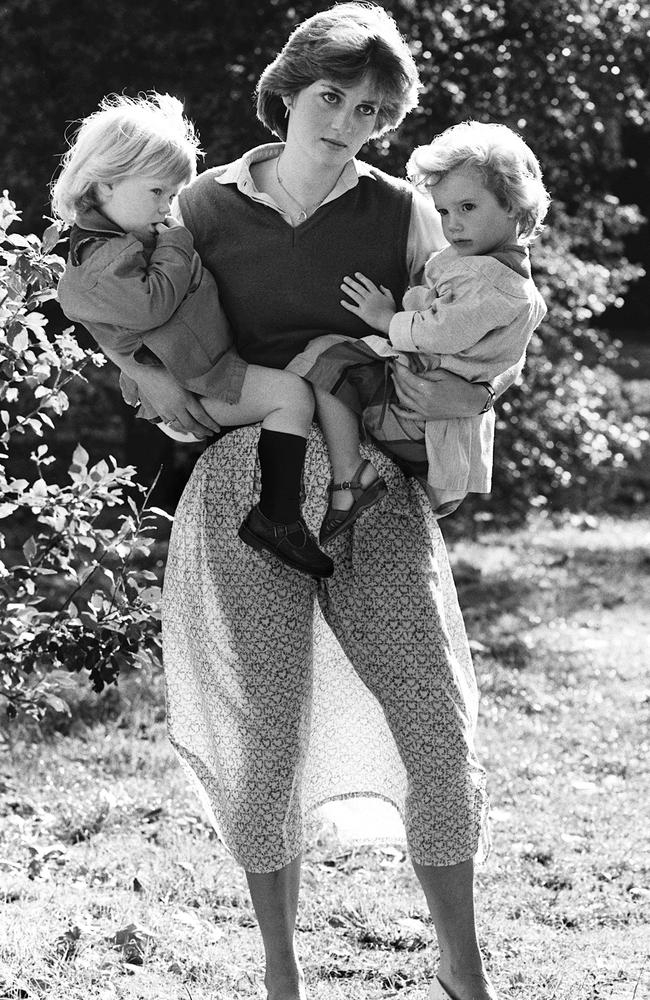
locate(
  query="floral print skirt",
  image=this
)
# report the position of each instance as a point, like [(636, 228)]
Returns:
[(285, 693)]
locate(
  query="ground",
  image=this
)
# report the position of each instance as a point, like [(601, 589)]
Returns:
[(115, 886)]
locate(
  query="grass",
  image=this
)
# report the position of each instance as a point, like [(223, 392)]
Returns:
[(113, 885)]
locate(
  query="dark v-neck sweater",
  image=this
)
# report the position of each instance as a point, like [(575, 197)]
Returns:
[(280, 285)]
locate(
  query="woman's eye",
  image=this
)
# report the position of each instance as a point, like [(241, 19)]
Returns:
[(330, 98), (368, 110)]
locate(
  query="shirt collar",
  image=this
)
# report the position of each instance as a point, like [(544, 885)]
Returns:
[(94, 221), (239, 173), (513, 255)]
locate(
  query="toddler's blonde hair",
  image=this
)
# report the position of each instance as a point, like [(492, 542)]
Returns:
[(127, 135), (507, 165)]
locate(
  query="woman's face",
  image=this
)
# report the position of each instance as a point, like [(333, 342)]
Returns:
[(330, 121)]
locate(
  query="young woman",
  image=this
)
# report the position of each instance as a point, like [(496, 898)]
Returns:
[(284, 693)]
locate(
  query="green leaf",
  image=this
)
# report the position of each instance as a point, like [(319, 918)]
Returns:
[(51, 237), (30, 549), (80, 457)]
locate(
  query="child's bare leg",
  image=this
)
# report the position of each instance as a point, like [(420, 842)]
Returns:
[(341, 432), (285, 405), (281, 401)]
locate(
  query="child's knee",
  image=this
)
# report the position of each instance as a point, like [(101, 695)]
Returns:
[(301, 398)]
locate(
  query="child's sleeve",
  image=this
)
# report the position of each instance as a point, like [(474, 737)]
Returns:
[(126, 290), (463, 309)]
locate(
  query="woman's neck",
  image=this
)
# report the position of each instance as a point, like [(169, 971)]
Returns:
[(308, 180)]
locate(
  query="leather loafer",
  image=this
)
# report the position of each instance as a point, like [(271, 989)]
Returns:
[(293, 544)]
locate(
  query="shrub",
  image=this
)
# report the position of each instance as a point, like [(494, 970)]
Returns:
[(565, 435), (74, 591)]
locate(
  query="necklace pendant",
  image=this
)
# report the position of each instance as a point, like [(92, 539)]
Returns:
[(302, 216)]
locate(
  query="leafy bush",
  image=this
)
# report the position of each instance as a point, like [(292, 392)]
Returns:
[(565, 435), (73, 591)]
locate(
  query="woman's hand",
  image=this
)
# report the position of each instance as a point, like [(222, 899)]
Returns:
[(374, 305), (175, 405), (436, 395)]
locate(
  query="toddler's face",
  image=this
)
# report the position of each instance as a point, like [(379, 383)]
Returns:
[(137, 203), (473, 221)]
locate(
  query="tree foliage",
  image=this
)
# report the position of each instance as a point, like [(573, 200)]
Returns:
[(74, 594)]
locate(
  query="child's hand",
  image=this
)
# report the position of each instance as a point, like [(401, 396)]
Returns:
[(169, 223), (374, 305)]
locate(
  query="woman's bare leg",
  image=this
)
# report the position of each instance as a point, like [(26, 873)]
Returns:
[(450, 894), (275, 900)]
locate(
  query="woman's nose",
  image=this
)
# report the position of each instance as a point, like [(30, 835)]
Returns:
[(343, 120)]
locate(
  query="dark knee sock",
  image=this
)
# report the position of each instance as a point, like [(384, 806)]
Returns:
[(282, 457)]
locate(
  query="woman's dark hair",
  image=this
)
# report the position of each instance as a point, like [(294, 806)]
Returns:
[(344, 44)]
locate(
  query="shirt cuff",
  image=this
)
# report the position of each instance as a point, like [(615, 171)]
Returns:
[(400, 331)]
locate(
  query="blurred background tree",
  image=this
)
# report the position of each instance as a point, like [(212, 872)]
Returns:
[(571, 75)]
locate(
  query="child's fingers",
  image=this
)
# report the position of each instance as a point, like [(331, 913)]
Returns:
[(366, 282), (353, 288), (350, 307)]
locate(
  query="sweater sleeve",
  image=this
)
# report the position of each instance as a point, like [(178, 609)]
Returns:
[(126, 290)]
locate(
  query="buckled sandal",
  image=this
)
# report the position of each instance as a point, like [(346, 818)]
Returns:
[(336, 521)]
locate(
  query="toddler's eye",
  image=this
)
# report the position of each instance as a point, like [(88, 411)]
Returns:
[(156, 191), (468, 206)]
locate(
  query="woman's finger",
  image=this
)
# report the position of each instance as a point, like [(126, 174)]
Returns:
[(200, 416), (410, 389), (418, 379), (409, 401), (405, 414)]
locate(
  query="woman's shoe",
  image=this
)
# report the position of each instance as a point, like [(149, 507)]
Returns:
[(337, 521), (293, 544)]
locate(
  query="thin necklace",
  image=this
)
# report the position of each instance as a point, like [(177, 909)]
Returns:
[(305, 211)]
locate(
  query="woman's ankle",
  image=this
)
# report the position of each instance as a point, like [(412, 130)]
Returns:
[(466, 983), (285, 983)]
